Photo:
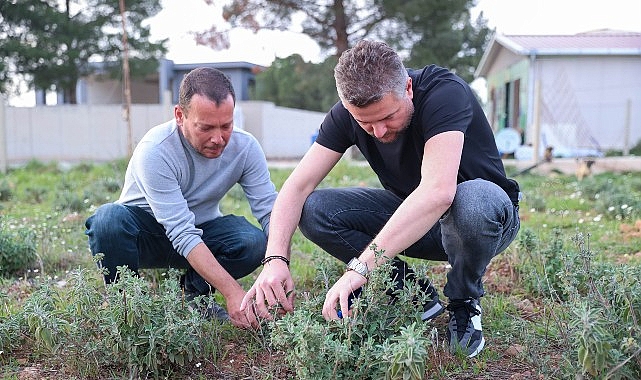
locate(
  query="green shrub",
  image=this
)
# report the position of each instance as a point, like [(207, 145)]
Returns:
[(616, 197), (36, 194), (636, 149), (129, 326), (17, 249), (600, 301), (6, 190), (379, 340)]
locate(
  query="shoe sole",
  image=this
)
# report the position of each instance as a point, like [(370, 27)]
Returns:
[(478, 349)]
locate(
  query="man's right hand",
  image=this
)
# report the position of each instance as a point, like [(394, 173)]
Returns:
[(273, 292), (239, 317)]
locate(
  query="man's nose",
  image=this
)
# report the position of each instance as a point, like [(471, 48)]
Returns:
[(379, 129), (216, 136)]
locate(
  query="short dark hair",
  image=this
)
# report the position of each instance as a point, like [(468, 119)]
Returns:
[(369, 71), (206, 81)]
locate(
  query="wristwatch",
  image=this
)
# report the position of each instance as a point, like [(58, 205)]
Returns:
[(358, 267)]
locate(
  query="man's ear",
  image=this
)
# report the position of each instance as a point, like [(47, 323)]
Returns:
[(408, 88), (178, 115)]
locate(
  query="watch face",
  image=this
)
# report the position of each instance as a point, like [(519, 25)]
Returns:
[(358, 267)]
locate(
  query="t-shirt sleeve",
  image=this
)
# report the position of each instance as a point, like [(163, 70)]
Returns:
[(446, 108), (336, 131)]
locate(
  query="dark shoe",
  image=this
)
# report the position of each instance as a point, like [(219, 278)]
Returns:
[(215, 311), (464, 331), (432, 308), (190, 282), (402, 273), (206, 306)]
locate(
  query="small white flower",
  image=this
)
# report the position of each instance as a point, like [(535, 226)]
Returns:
[(198, 364), (624, 206)]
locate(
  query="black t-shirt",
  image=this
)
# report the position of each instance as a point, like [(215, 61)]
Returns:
[(442, 102)]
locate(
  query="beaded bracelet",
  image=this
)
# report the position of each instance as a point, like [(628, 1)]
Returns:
[(270, 258)]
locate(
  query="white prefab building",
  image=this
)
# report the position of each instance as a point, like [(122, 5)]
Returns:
[(580, 94)]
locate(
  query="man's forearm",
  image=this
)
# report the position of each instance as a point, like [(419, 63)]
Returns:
[(203, 261), (284, 220)]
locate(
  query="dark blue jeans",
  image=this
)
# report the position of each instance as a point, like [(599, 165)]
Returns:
[(130, 236), (481, 223)]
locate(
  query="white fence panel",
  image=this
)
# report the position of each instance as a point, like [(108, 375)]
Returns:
[(283, 132), (76, 133)]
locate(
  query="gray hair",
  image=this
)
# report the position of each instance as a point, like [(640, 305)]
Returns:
[(369, 71), (206, 81)]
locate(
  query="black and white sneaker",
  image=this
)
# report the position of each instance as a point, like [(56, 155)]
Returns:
[(402, 274), (464, 331), (432, 308)]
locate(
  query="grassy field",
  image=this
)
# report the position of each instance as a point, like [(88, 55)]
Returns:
[(563, 302)]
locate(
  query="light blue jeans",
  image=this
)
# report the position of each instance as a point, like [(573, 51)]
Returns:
[(481, 223), (128, 235)]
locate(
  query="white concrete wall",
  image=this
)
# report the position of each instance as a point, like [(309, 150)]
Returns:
[(75, 133), (283, 132)]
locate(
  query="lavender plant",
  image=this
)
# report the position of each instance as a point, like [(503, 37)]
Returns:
[(379, 340)]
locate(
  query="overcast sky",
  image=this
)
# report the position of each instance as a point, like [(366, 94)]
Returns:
[(180, 18)]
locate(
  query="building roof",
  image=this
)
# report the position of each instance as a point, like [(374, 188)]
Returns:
[(597, 42), (218, 65)]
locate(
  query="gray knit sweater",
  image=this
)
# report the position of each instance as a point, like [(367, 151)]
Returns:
[(182, 189)]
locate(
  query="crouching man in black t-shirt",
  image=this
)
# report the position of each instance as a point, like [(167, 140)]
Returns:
[(445, 194)]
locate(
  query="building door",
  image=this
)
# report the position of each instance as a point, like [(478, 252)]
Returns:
[(507, 115), (512, 105)]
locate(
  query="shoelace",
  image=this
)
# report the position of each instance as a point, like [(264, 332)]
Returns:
[(463, 312)]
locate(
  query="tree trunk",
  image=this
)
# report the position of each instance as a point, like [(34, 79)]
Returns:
[(126, 80), (340, 27)]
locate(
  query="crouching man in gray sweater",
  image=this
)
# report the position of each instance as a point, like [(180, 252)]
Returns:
[(168, 213)]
